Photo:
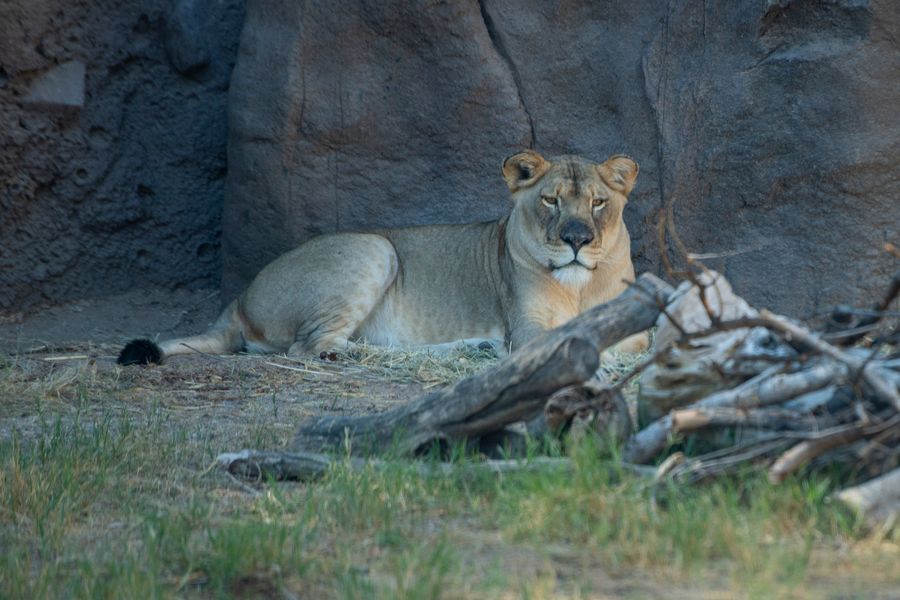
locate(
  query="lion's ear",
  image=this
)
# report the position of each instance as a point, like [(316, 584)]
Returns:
[(619, 173), (523, 169)]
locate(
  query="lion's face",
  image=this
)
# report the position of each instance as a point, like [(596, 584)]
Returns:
[(570, 210)]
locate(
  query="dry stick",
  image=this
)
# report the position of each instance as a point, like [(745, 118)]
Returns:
[(882, 383), (689, 271), (807, 450), (727, 254), (514, 389), (848, 336), (666, 220), (769, 387), (889, 297), (885, 443), (672, 231), (661, 305), (663, 246), (703, 467), (691, 419), (309, 466)]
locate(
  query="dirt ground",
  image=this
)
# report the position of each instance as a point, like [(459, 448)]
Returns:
[(72, 350)]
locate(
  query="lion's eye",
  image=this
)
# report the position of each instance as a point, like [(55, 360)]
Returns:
[(550, 200), (598, 202)]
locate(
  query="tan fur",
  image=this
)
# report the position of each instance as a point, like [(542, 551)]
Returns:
[(428, 285)]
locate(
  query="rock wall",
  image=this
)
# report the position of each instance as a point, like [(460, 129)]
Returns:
[(780, 136), (113, 132), (774, 124)]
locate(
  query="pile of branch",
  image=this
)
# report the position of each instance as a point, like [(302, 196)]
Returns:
[(783, 397), (780, 396)]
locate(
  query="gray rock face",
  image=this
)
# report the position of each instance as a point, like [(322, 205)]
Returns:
[(773, 125), (123, 187), (780, 137)]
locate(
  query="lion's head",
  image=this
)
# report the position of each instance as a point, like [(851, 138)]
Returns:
[(569, 210)]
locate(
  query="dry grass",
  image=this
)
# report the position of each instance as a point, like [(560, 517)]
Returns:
[(425, 367)]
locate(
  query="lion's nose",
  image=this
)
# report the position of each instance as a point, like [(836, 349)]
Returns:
[(576, 234)]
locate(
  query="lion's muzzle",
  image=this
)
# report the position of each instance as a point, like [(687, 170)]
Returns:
[(576, 234)]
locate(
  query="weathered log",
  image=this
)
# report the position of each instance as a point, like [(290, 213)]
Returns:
[(309, 466), (877, 500), (515, 389), (769, 387), (819, 399)]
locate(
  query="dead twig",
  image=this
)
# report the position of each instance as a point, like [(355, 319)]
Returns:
[(870, 319), (809, 449), (882, 385), (727, 461)]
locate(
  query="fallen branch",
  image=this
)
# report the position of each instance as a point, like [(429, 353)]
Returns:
[(310, 466), (513, 390)]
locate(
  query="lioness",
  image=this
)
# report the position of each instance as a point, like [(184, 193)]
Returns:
[(562, 249)]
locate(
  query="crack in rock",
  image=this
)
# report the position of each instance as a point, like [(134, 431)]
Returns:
[(500, 47)]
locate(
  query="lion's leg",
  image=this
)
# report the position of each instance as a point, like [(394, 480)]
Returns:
[(332, 286)]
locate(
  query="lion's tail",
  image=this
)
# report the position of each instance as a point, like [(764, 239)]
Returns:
[(223, 337)]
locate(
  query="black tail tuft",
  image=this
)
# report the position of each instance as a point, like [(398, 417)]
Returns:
[(140, 352)]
